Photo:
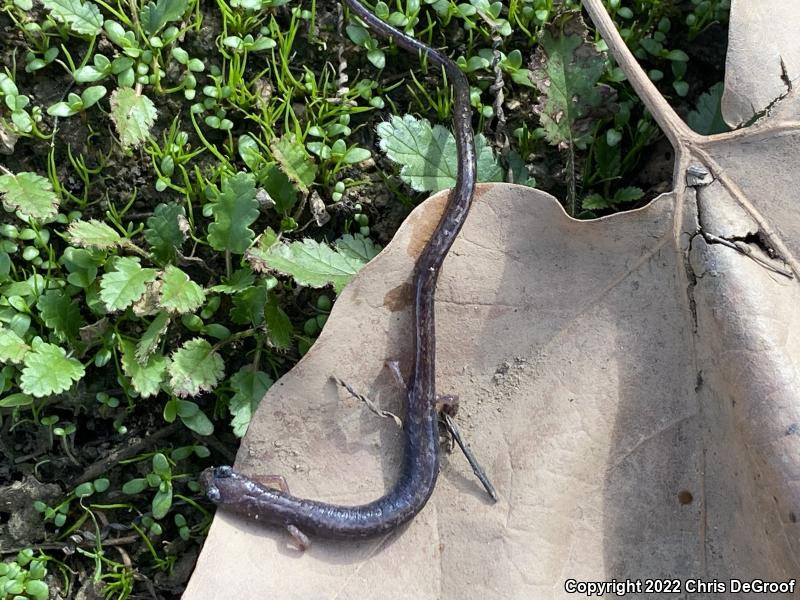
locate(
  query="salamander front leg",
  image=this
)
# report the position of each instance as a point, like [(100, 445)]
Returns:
[(278, 482), (303, 543)]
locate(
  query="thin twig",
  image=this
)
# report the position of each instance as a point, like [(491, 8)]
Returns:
[(369, 403), (450, 424)]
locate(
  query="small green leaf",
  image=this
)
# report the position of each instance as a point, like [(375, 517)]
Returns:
[(294, 161), (566, 69), (125, 284), (162, 501), (84, 490), (428, 154), (707, 119), (248, 306), (30, 194), (16, 400), (166, 230), (309, 262), (151, 337), (48, 371), (161, 465), (249, 388), (93, 234), (179, 294), (357, 246), (199, 423), (82, 17), (134, 486), (238, 281), (195, 367), (234, 211), (12, 347), (145, 378), (60, 313), (133, 115), (280, 189), (155, 15), (628, 194), (250, 152), (37, 589), (279, 326), (92, 95)]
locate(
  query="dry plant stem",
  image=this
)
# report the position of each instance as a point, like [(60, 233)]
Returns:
[(688, 145), (420, 467), (479, 471)]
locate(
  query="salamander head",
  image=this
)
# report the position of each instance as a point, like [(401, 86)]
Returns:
[(213, 480)]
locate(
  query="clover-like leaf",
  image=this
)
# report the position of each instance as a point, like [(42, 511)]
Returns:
[(146, 378), (179, 294), (133, 115), (428, 154), (195, 367), (234, 211), (125, 284), (30, 194), (249, 387), (48, 371)]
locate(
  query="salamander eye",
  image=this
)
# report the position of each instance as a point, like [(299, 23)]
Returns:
[(223, 472)]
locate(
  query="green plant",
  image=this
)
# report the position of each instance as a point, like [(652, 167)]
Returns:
[(23, 577)]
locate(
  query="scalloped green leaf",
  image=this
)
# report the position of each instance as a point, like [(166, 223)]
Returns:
[(12, 347), (195, 367), (94, 234), (294, 161), (125, 284), (249, 388), (30, 194), (358, 246), (234, 212), (133, 115), (154, 15), (48, 371), (179, 294), (60, 313), (151, 337), (566, 69), (309, 262), (428, 154), (166, 231), (82, 17), (146, 378), (248, 306)]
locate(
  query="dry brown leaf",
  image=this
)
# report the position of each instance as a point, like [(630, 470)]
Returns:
[(629, 383)]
